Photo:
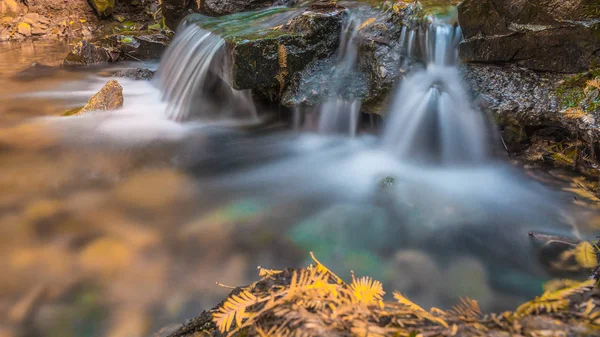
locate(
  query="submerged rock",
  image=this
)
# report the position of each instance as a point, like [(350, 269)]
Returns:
[(110, 97), (143, 45), (135, 74), (545, 35), (104, 8)]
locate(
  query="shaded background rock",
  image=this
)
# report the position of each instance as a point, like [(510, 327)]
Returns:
[(140, 45), (544, 35), (104, 8)]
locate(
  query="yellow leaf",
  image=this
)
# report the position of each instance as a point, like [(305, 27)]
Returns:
[(82, 21), (367, 23), (585, 254)]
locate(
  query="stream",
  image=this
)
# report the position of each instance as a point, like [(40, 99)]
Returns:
[(117, 223)]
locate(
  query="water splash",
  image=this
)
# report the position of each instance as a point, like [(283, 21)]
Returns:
[(432, 119), (192, 79)]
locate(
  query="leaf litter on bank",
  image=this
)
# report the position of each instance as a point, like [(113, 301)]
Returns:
[(316, 302)]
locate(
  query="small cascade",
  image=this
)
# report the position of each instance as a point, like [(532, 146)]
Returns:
[(192, 79), (431, 119), (339, 114)]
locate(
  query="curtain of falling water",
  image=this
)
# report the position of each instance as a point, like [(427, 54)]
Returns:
[(339, 114), (192, 78), (431, 119)]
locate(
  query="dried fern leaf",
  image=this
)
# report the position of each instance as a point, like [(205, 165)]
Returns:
[(418, 311), (364, 329), (234, 308), (320, 267), (282, 56), (267, 273), (553, 301), (467, 308), (366, 23), (591, 84), (556, 285), (585, 254), (574, 113), (365, 290)]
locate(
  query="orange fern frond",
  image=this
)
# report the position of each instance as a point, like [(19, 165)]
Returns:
[(366, 290), (321, 268), (595, 83), (366, 23), (233, 308), (282, 56), (554, 301), (418, 311), (266, 273), (467, 308), (574, 113)]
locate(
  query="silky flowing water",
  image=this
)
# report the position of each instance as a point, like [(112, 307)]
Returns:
[(119, 223)]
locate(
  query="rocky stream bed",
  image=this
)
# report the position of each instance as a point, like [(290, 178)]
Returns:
[(111, 260)]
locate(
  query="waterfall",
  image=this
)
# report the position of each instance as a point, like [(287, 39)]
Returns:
[(339, 114), (431, 119), (192, 79)]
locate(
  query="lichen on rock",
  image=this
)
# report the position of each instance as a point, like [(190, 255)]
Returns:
[(110, 97)]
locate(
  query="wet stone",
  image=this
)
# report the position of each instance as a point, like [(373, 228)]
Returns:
[(110, 97), (86, 52), (135, 74)]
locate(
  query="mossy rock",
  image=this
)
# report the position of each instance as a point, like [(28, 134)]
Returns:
[(104, 8), (260, 58)]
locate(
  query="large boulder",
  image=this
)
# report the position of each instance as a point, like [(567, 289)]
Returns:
[(543, 117), (547, 35), (267, 58), (271, 59)]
